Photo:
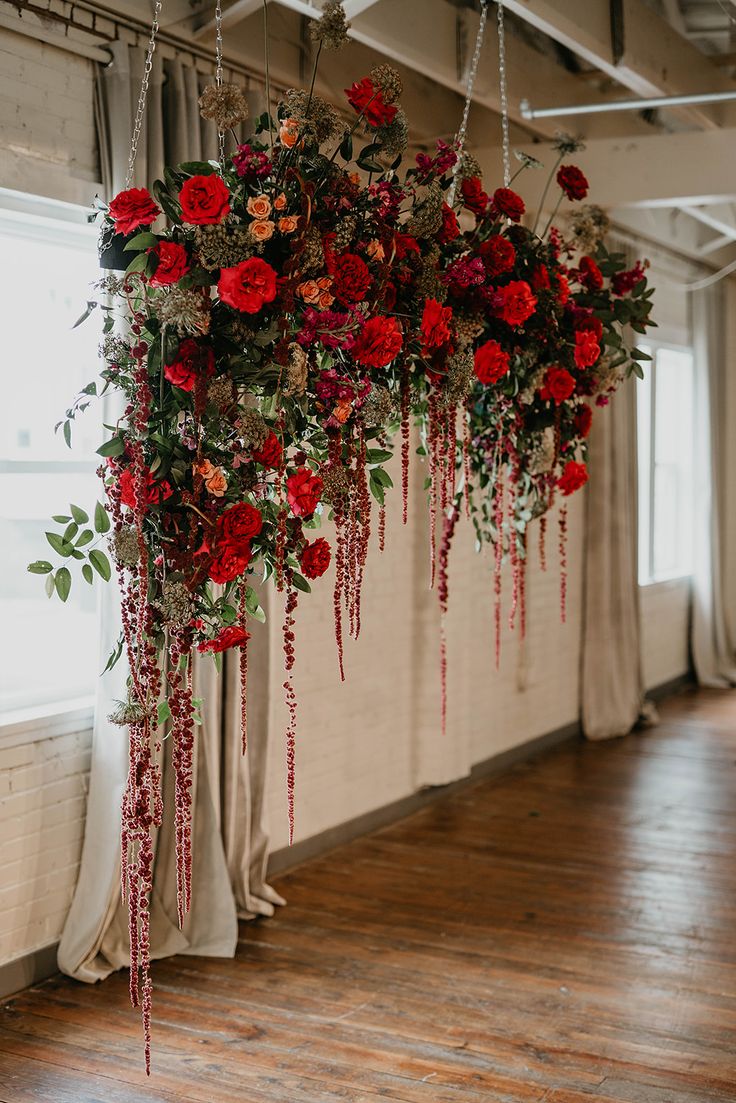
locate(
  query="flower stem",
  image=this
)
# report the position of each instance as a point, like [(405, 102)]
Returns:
[(268, 71), (544, 193)]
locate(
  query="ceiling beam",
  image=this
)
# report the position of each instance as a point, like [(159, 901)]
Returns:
[(656, 61), (354, 8), (727, 229)]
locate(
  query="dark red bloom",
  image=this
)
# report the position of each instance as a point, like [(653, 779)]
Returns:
[(205, 200), (474, 198), (563, 288), (558, 385), (270, 452), (624, 282), (573, 182), (229, 562), (589, 274), (435, 326), (508, 203), (540, 278), (172, 263), (450, 226), (351, 278), (156, 492), (491, 362), (515, 303), (194, 361), (405, 244), (588, 321), (573, 477), (380, 341), (368, 101), (587, 349), (315, 558), (238, 524), (131, 209), (583, 420), (303, 490), (248, 286), (232, 636), (498, 255)]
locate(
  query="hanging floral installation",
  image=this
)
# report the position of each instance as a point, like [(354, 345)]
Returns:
[(282, 316)]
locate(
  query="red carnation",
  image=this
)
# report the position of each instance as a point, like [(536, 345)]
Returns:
[(303, 491), (193, 361), (405, 244), (450, 227), (205, 200), (589, 274), (540, 278), (508, 203), (558, 385), (491, 362), (156, 492), (583, 420), (435, 326), (379, 343), (587, 349), (248, 286), (351, 278), (368, 101), (474, 198), (238, 524), (573, 182), (563, 288), (232, 636), (131, 209), (573, 477), (624, 282), (315, 558), (498, 255), (270, 452), (515, 303), (229, 562), (172, 263)]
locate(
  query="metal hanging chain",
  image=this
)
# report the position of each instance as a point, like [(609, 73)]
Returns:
[(218, 73), (143, 96), (504, 97), (460, 136)]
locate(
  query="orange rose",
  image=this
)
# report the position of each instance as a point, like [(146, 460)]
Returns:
[(259, 206), (375, 250), (354, 178), (279, 202), (214, 478), (262, 230), (288, 223), (309, 291), (289, 133), (342, 410), (325, 300)]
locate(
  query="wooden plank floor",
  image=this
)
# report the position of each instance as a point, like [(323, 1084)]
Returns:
[(562, 934)]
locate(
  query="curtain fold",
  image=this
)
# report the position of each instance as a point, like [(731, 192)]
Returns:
[(713, 652), (230, 843)]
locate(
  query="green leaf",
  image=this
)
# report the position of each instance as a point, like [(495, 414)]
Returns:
[(141, 241), (101, 564), (346, 148), (61, 518), (85, 316), (164, 712), (63, 583), (637, 370), (252, 606), (139, 263), (88, 574), (381, 476), (300, 583), (79, 515), (84, 538), (114, 654), (229, 614), (50, 585), (639, 354), (70, 532), (198, 168), (67, 431), (378, 455), (377, 491), (102, 520), (113, 447), (58, 544), (41, 566)]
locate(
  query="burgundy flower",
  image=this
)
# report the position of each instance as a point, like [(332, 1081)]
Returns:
[(131, 209), (351, 278), (248, 286), (193, 361), (238, 524), (558, 385), (573, 477), (368, 102), (508, 203), (232, 636), (205, 200), (270, 452), (315, 558), (303, 490), (172, 262), (435, 325), (573, 182), (474, 198), (498, 255), (491, 362), (379, 342), (515, 303)]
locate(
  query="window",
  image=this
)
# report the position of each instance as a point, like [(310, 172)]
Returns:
[(665, 453), (48, 652)]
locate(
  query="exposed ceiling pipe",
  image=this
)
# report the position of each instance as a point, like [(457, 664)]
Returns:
[(529, 112)]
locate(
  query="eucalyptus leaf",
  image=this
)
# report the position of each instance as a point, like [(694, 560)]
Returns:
[(41, 566), (102, 519), (63, 583), (101, 564)]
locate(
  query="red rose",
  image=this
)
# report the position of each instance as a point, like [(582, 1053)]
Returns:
[(405, 244), (589, 274), (193, 361), (248, 285), (173, 263), (583, 420), (232, 636), (368, 102), (270, 452), (450, 226), (379, 343), (514, 303), (491, 362), (315, 558), (131, 209), (587, 349), (156, 492), (498, 255), (435, 325), (573, 477), (351, 278), (573, 182), (558, 385), (508, 203), (474, 198), (540, 278), (205, 200), (563, 288), (303, 490), (238, 525), (229, 562)]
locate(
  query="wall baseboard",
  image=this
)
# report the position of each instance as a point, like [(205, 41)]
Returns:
[(672, 687), (28, 970)]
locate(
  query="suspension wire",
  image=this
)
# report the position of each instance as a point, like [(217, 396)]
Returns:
[(218, 74), (462, 132), (143, 96), (503, 86)]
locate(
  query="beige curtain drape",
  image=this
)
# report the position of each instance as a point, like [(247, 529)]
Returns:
[(230, 842)]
